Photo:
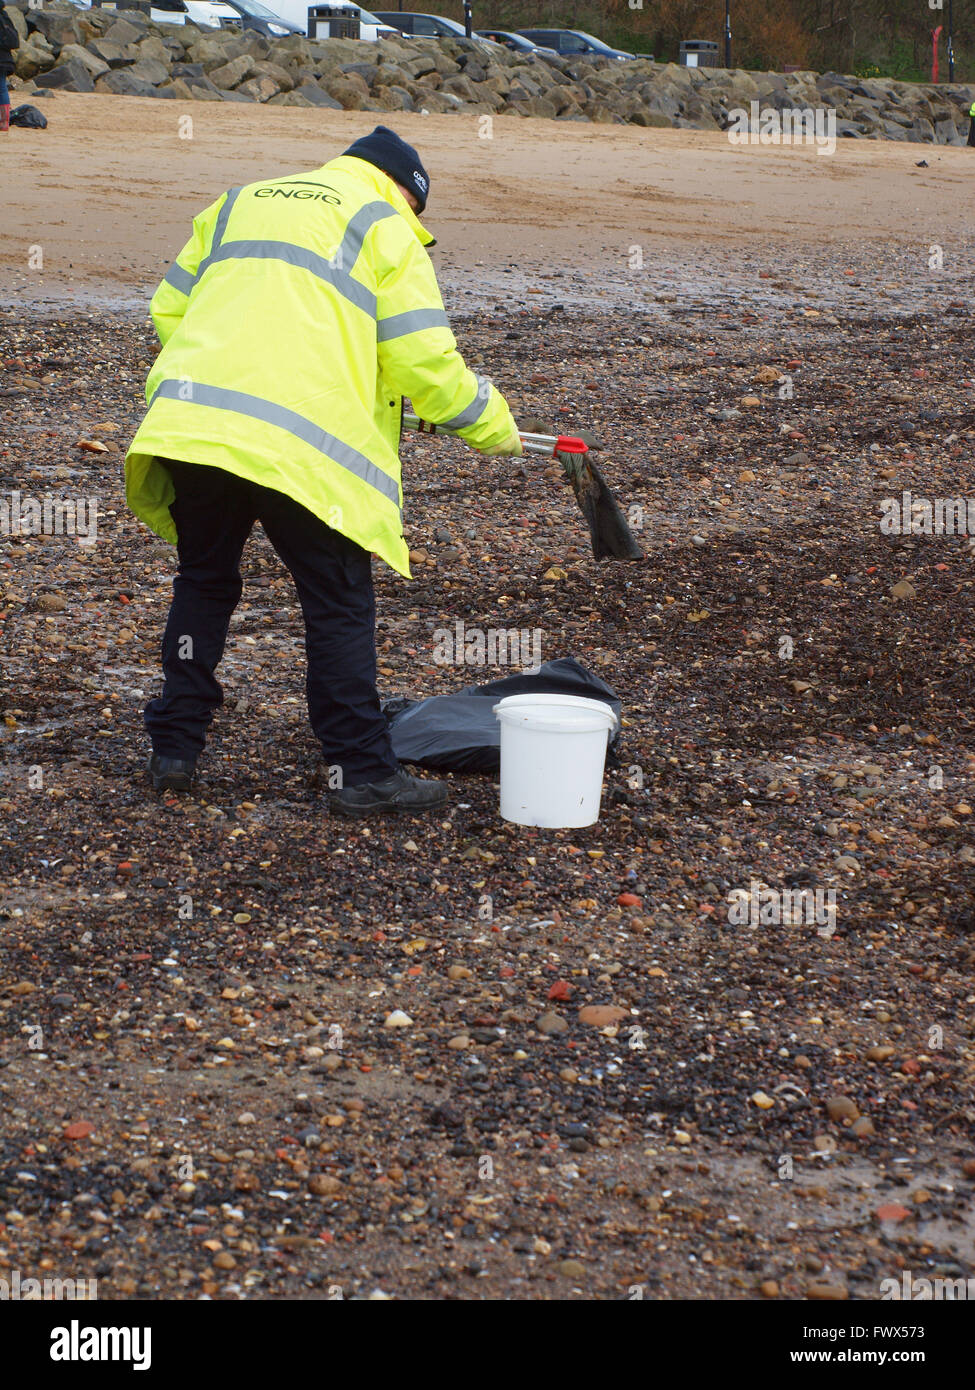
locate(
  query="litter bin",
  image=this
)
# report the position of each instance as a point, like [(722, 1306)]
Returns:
[(698, 53), (145, 6), (332, 22)]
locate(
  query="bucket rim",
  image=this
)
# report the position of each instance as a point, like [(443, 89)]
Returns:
[(535, 706)]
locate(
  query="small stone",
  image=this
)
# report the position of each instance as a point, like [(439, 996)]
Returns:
[(750, 402), (827, 1293), (398, 1019), (763, 1101), (746, 476), (52, 603), (324, 1185), (769, 1288), (602, 1015), (880, 1053), (863, 1128), (551, 1023), (682, 1137), (892, 1211), (224, 1260), (459, 972), (80, 1129), (840, 1108), (458, 1043), (572, 1269), (903, 589), (247, 1118)]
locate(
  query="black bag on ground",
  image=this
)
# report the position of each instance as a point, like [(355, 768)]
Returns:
[(460, 732), (29, 117)]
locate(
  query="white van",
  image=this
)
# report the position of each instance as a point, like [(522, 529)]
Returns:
[(276, 20)]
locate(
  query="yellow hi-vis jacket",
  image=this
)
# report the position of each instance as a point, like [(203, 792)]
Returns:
[(293, 322)]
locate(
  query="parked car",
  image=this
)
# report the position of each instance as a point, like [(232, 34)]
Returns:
[(371, 27), (570, 43), (208, 14), (432, 26), (516, 42), (258, 17)]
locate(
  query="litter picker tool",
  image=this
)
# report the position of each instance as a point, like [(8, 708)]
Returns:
[(611, 536)]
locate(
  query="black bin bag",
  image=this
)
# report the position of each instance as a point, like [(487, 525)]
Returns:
[(460, 732)]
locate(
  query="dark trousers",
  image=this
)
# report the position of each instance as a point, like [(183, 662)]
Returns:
[(214, 512)]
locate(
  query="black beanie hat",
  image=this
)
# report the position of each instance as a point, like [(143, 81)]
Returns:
[(395, 157)]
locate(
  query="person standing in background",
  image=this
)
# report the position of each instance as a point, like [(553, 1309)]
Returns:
[(9, 40)]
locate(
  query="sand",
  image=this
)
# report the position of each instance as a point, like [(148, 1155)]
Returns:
[(109, 190)]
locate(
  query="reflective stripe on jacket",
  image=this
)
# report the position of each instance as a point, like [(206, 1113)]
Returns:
[(297, 316)]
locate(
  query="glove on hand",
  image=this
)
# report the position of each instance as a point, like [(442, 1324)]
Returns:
[(511, 444)]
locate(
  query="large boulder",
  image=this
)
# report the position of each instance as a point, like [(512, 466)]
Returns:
[(95, 65), (121, 83), (30, 59), (56, 26), (290, 99), (112, 54), (67, 77), (122, 32), (229, 75), (316, 97), (153, 47), (276, 73), (151, 71), (389, 75), (260, 88), (207, 53), (202, 89), (460, 86), (349, 90), (394, 99)]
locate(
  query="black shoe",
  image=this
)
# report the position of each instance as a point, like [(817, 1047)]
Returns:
[(401, 792), (171, 774)]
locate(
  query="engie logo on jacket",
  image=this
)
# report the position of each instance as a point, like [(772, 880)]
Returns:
[(300, 190)]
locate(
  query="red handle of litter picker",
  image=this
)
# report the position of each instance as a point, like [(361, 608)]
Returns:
[(531, 443)]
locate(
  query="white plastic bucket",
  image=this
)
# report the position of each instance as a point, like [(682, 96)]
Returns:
[(553, 752)]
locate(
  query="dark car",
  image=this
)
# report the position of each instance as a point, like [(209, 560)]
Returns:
[(264, 21), (516, 42), (429, 26), (571, 43)]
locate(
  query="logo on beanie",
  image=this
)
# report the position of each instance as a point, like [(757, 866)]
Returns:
[(420, 181)]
